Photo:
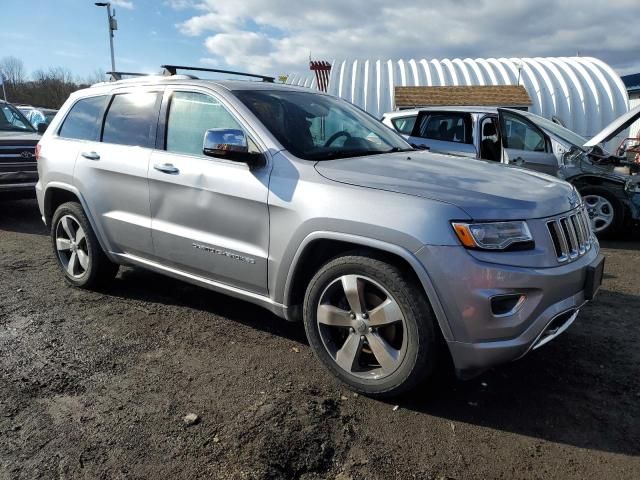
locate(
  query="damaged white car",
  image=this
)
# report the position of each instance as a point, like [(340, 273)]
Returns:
[(607, 182)]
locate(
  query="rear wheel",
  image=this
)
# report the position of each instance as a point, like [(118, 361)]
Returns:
[(77, 249), (370, 325), (604, 210)]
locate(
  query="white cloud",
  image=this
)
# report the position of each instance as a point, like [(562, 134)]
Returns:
[(128, 4), (277, 36)]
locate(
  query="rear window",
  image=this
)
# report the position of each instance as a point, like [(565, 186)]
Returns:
[(132, 119), (83, 120)]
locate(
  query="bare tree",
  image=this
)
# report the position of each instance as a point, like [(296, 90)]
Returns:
[(13, 70), (97, 76)]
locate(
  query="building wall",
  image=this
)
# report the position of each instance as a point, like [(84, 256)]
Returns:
[(584, 92), (634, 101)]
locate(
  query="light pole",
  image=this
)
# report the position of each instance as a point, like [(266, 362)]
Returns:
[(113, 25)]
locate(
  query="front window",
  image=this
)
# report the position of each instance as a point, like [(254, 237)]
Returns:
[(12, 120), (556, 129), (520, 135), (320, 127), (191, 114)]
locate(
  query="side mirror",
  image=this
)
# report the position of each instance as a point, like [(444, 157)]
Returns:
[(42, 127), (229, 143)]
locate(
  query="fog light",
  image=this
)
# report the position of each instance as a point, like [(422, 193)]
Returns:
[(503, 305)]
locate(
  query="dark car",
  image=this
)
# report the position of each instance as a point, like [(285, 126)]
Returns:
[(18, 139)]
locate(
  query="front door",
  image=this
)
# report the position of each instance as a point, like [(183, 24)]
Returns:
[(209, 216), (525, 145)]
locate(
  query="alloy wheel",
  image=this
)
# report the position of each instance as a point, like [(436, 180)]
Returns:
[(600, 212), (362, 327), (71, 245)]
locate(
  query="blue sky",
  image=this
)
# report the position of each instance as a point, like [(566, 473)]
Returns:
[(73, 34), (278, 36)]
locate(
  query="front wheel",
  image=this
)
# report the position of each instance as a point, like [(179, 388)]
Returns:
[(604, 210), (371, 325)]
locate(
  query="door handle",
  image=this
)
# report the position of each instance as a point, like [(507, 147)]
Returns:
[(166, 168), (90, 155), (517, 160)]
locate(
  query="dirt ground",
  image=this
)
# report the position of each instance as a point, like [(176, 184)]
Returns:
[(96, 385)]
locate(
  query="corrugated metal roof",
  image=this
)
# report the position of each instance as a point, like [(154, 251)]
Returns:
[(485, 95), (583, 92)]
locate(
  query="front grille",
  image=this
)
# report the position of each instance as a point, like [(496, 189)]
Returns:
[(571, 234), (17, 153)]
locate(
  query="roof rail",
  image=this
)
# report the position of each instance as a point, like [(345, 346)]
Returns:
[(118, 75), (172, 70)]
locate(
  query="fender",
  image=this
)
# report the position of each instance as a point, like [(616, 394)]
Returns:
[(405, 254), (600, 177), (96, 227)]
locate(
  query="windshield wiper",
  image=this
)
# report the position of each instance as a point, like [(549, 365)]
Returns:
[(343, 154), (398, 149)]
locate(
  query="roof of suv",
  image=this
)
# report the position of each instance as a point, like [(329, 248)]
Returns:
[(186, 79), (441, 108)]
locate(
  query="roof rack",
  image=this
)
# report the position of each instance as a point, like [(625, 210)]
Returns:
[(118, 75), (172, 70)]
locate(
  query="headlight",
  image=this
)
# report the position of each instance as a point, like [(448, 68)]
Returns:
[(494, 235), (632, 186)]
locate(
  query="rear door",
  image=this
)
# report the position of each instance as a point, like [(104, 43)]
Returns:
[(112, 173), (209, 215), (444, 132), (525, 145)]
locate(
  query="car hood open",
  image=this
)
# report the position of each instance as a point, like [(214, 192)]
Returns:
[(615, 127), (484, 190)]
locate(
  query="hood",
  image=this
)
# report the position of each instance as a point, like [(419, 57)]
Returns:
[(484, 190), (615, 127), (18, 138)]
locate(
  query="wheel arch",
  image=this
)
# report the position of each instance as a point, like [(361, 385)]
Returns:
[(58, 193), (319, 247)]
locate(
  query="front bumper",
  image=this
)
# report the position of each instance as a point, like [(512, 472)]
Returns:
[(480, 338), (17, 181)]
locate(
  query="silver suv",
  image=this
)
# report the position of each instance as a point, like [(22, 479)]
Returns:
[(306, 205)]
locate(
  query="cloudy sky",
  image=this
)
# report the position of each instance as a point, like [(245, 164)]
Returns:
[(278, 36)]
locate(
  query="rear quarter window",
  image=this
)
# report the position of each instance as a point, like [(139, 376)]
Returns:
[(84, 119), (404, 124)]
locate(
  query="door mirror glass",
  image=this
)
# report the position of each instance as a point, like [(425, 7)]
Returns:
[(229, 143)]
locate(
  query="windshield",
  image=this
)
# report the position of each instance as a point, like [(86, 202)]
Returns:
[(12, 120), (320, 127), (557, 130)]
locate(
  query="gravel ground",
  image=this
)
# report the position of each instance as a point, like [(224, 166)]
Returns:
[(96, 385)]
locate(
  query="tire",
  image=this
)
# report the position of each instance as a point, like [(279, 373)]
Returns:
[(336, 336), (599, 201), (70, 247)]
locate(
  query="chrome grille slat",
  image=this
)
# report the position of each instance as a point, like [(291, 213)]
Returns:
[(571, 235)]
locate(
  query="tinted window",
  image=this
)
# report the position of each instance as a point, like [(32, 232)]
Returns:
[(84, 118), (190, 116), (132, 119), (447, 127), (520, 135), (404, 124), (12, 120)]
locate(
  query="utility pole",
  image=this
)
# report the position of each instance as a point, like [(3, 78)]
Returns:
[(113, 25), (4, 92)]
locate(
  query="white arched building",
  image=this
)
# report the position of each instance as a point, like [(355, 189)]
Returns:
[(583, 92)]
